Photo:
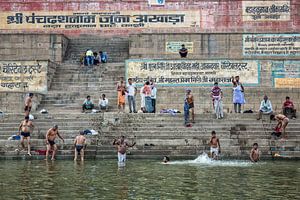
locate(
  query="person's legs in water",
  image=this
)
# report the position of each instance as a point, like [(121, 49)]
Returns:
[(54, 149), (82, 154)]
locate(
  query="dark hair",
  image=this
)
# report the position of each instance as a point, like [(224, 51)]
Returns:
[(103, 94), (27, 117), (255, 144), (216, 83), (167, 158), (287, 97), (81, 132), (55, 126), (130, 79), (30, 94), (147, 83), (88, 96), (213, 132), (100, 52), (272, 117), (182, 45)]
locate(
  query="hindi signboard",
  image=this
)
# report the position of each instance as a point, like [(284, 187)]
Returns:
[(271, 44), (193, 72), (173, 47), (255, 11), (286, 74), (23, 76), (99, 20)]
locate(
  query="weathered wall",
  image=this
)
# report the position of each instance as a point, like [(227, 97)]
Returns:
[(36, 75), (216, 45), (20, 47), (209, 16)]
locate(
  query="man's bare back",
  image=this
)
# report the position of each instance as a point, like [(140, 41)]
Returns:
[(80, 140)]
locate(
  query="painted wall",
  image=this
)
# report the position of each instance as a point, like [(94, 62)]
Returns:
[(110, 16), (22, 47)]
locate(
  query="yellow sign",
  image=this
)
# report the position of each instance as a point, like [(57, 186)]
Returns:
[(193, 72), (23, 76), (173, 47), (266, 11), (287, 82), (99, 20)]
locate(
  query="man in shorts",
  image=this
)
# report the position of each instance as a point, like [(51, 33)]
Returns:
[(50, 141), (215, 148), (25, 128), (283, 121), (79, 143), (122, 145)]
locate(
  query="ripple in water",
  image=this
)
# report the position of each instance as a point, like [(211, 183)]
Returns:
[(204, 160)]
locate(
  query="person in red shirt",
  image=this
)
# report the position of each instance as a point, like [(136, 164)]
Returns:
[(288, 108)]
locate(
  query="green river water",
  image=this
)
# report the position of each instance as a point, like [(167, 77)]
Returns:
[(149, 179)]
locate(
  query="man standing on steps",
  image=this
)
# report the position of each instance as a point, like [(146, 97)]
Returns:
[(131, 89), (122, 145), (50, 141), (25, 128), (28, 104)]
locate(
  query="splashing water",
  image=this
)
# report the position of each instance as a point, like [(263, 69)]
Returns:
[(204, 160)]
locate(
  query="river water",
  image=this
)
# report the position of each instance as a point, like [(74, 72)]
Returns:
[(149, 179)]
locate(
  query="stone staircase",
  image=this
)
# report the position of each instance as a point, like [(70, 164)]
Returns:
[(156, 135), (117, 48)]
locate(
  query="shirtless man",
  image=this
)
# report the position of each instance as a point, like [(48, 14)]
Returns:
[(215, 147), (190, 101), (122, 145), (282, 120), (28, 104), (25, 128), (254, 154), (50, 141), (79, 143)]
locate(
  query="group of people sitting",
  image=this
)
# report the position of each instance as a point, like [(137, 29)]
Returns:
[(88, 104), (90, 58)]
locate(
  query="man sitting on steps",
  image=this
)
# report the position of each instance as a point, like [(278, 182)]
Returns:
[(87, 104), (288, 108)]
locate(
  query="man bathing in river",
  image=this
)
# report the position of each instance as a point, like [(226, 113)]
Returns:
[(215, 147), (79, 143), (50, 141), (25, 128), (254, 154), (28, 104), (122, 145)]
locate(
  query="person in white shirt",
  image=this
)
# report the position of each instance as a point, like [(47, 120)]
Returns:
[(103, 103), (265, 107), (153, 96), (131, 92)]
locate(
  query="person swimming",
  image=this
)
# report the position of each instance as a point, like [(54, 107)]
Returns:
[(166, 159)]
